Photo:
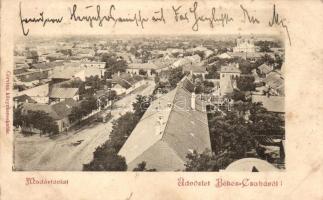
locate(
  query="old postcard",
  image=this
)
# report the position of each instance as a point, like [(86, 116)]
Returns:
[(161, 99)]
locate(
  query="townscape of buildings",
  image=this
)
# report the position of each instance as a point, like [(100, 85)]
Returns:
[(69, 80)]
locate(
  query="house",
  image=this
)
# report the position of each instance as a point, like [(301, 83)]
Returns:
[(19, 100), (66, 73), (275, 81), (224, 56), (271, 103), (93, 68), (173, 126), (120, 90), (139, 68), (195, 70), (124, 83), (38, 93), (228, 75), (188, 60), (58, 94), (59, 112), (264, 69)]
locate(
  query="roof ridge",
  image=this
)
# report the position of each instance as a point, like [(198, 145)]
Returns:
[(170, 112)]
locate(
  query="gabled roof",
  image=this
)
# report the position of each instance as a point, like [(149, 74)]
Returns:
[(264, 68), (47, 65), (24, 98), (126, 80), (195, 68), (274, 79), (169, 120), (56, 111), (66, 72), (63, 93), (143, 66)]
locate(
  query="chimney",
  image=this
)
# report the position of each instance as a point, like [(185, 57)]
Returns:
[(193, 99), (16, 104)]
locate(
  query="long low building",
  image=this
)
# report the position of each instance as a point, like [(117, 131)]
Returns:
[(173, 126)]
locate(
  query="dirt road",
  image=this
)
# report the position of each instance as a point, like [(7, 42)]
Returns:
[(70, 152)]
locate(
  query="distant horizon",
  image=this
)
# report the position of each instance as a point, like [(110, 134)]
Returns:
[(216, 37)]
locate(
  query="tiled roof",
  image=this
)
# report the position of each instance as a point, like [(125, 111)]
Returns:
[(195, 68), (56, 111), (274, 79), (24, 98), (126, 80), (265, 68), (66, 73), (47, 65), (170, 123), (63, 93), (143, 66)]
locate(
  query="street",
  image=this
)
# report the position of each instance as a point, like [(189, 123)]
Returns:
[(69, 152)]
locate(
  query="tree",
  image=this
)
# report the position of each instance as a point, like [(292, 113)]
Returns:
[(76, 114), (142, 168), (33, 55), (175, 75), (121, 129), (199, 162), (106, 159), (246, 83), (113, 64), (76, 83), (41, 121), (142, 72), (88, 105), (94, 82), (237, 95), (17, 117), (140, 105)]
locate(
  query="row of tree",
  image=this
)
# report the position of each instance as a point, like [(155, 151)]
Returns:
[(85, 108)]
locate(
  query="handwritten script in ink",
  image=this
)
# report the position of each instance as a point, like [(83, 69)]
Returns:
[(101, 15)]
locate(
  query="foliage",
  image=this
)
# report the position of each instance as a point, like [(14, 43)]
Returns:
[(142, 167), (142, 72), (207, 161), (235, 133), (41, 121), (85, 108), (106, 156), (246, 83), (237, 95), (106, 159), (94, 82), (75, 84), (175, 75), (17, 117), (141, 104), (113, 63)]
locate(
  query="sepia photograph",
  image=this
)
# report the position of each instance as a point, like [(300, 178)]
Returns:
[(201, 103)]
